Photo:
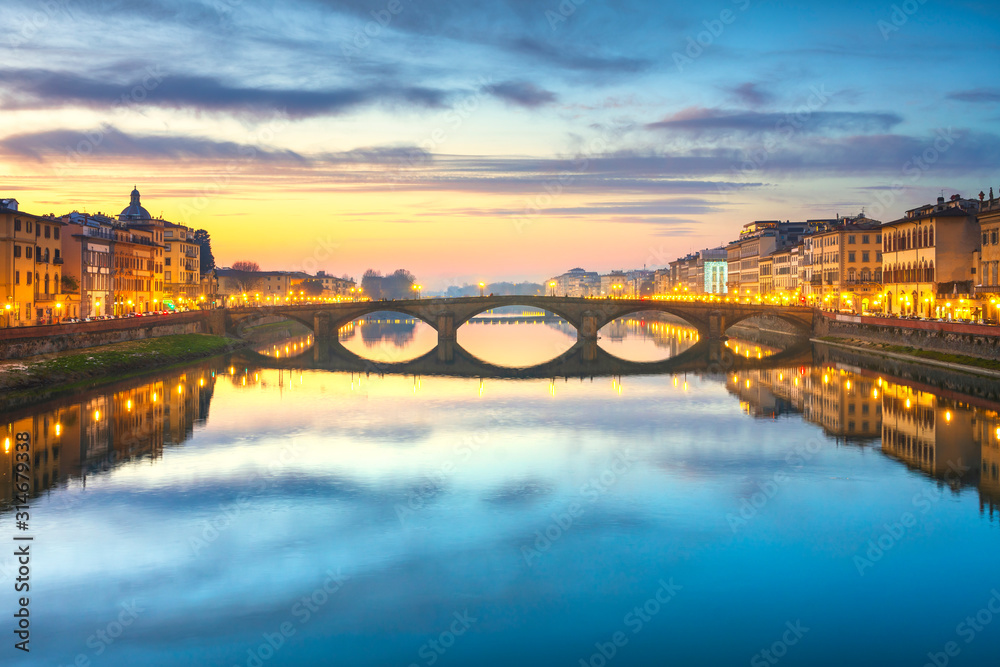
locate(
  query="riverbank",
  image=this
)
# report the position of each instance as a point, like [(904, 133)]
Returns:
[(956, 362), (39, 378)]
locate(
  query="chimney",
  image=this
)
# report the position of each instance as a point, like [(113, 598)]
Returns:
[(940, 200)]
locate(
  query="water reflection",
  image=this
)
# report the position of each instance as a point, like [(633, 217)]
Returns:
[(955, 441), (104, 429), (648, 336), (388, 337), (429, 491)]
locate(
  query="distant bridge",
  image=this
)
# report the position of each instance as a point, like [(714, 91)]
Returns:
[(584, 359), (587, 316)]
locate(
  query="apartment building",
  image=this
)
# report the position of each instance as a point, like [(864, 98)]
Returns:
[(31, 267), (928, 260)]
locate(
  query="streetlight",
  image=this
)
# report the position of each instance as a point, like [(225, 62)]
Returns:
[(482, 288), (416, 288)]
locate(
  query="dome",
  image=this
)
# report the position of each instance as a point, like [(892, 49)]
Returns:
[(134, 211)]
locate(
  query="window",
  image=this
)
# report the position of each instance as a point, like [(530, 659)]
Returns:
[(851, 238), (878, 238), (28, 277), (48, 231), (27, 227), (852, 256), (168, 247), (56, 251), (865, 238), (169, 233), (17, 225), (17, 251), (17, 277), (993, 237), (167, 261), (986, 238), (166, 276), (27, 251), (38, 230), (55, 232)]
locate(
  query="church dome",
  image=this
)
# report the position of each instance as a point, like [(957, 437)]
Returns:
[(134, 211)]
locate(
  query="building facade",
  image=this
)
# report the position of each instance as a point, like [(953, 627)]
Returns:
[(928, 260)]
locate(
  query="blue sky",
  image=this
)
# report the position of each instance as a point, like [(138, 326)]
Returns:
[(605, 134)]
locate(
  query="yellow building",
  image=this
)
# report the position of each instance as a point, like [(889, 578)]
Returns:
[(31, 266), (134, 261), (988, 260), (182, 267), (928, 260), (847, 266)]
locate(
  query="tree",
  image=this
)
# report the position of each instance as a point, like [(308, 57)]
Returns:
[(399, 285), (70, 285), (204, 239), (247, 275)]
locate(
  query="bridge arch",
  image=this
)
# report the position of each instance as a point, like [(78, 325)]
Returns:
[(797, 322), (479, 310), (670, 308)]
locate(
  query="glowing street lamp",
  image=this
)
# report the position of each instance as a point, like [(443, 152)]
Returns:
[(482, 288), (552, 287)]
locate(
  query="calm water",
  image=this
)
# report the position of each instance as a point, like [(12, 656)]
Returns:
[(234, 513)]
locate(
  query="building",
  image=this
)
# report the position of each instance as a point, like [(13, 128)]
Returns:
[(765, 275), (135, 216), (713, 270), (759, 239), (31, 267), (786, 274), (615, 283), (988, 259), (576, 282), (182, 286), (88, 250), (133, 270), (333, 286), (928, 260), (846, 265)]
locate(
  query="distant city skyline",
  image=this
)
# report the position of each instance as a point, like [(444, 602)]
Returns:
[(512, 142)]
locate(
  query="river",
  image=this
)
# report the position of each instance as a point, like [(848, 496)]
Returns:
[(268, 509)]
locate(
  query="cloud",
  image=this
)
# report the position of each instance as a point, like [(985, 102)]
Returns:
[(977, 95), (110, 142), (565, 57), (522, 93), (36, 88), (701, 120), (751, 95)]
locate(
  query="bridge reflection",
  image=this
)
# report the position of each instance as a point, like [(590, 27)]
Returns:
[(584, 359)]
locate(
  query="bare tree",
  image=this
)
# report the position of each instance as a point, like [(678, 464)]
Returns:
[(247, 275)]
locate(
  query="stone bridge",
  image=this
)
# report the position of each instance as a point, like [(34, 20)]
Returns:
[(587, 316), (585, 359)]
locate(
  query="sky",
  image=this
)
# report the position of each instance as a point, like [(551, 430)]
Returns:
[(508, 140)]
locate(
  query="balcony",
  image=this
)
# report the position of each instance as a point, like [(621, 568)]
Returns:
[(815, 280), (57, 261), (191, 252)]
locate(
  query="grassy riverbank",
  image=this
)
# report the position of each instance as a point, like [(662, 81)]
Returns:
[(917, 353), (38, 378)]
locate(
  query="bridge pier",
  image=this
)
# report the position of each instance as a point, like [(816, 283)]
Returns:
[(716, 326), (323, 326), (446, 350), (588, 328), (446, 328)]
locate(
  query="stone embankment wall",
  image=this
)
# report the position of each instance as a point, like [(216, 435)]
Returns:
[(28, 341), (947, 383), (974, 340), (766, 331)]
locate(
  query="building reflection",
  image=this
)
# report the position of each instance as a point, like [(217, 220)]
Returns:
[(951, 438), (72, 438)]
